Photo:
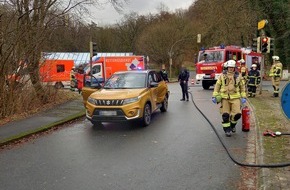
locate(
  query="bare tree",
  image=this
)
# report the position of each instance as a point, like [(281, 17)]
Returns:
[(25, 27)]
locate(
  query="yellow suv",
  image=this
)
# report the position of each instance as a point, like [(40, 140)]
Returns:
[(127, 95)]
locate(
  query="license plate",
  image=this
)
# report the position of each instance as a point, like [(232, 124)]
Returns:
[(206, 76), (108, 113)]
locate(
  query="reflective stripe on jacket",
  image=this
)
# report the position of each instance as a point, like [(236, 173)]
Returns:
[(229, 86), (254, 78), (276, 70)]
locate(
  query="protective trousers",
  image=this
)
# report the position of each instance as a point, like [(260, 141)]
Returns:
[(231, 113), (252, 90), (276, 84)]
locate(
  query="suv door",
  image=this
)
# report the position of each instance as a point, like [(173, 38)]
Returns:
[(162, 87), (153, 89)]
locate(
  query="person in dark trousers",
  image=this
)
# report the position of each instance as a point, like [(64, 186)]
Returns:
[(253, 81), (183, 81)]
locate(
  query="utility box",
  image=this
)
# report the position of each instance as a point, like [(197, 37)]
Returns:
[(285, 75)]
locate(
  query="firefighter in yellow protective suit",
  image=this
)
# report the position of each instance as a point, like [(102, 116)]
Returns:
[(230, 91), (243, 70), (276, 74)]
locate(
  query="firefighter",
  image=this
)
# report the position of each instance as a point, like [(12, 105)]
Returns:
[(230, 88), (243, 70), (253, 81), (73, 78), (276, 74), (183, 81)]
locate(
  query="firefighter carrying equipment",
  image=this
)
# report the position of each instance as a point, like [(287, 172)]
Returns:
[(226, 91)]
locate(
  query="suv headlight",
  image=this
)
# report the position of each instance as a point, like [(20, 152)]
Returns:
[(91, 100), (131, 100)]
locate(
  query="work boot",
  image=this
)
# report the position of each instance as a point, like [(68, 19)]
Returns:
[(228, 131), (182, 99), (228, 134), (233, 127)]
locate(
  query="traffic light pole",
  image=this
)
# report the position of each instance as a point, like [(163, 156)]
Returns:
[(262, 72), (91, 63), (262, 35)]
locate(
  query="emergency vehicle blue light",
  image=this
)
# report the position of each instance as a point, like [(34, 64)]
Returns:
[(202, 48), (222, 46), (139, 68)]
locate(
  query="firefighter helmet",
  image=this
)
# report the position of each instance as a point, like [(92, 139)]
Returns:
[(231, 63), (275, 58), (242, 61), (254, 66)]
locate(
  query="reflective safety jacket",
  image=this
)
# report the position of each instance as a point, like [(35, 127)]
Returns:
[(230, 86), (254, 78), (276, 69), (244, 71)]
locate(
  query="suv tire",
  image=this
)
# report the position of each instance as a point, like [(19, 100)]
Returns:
[(164, 106), (146, 119)]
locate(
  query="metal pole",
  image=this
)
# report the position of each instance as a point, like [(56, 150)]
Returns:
[(262, 72), (170, 65), (91, 64), (170, 52)]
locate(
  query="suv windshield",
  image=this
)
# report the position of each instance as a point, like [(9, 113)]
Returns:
[(126, 80), (211, 56)]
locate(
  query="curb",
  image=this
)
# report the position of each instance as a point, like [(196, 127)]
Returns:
[(42, 128)]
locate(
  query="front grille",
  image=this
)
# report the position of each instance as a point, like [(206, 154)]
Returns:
[(109, 102)]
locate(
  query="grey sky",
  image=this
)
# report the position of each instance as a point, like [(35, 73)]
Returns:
[(107, 14)]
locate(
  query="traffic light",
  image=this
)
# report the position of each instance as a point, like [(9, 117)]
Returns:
[(265, 45), (272, 46), (256, 45), (93, 49)]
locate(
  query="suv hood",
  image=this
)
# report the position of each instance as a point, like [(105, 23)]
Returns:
[(117, 93)]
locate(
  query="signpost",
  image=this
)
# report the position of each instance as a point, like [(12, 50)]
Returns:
[(261, 25)]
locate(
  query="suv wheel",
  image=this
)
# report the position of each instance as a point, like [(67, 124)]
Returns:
[(164, 106), (146, 120)]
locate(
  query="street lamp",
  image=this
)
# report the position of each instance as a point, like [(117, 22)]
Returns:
[(170, 53)]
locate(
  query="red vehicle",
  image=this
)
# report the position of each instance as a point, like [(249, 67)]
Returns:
[(210, 61)]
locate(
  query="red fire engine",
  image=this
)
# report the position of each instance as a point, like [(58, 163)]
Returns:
[(209, 65)]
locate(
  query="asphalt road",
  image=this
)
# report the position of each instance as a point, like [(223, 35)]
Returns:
[(179, 150)]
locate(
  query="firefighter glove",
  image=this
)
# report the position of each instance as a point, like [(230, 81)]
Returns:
[(213, 99), (244, 100)]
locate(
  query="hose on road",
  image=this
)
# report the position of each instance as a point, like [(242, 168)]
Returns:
[(273, 165)]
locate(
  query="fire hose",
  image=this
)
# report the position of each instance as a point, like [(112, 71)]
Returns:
[(266, 133)]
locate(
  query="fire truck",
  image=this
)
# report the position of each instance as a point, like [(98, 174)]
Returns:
[(209, 65)]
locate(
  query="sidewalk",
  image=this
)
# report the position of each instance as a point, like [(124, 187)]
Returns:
[(41, 121)]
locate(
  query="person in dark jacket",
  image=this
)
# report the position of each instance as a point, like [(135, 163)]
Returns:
[(183, 81), (164, 75), (253, 80)]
